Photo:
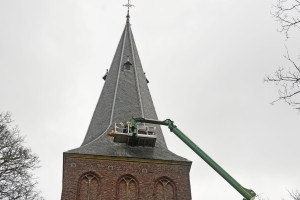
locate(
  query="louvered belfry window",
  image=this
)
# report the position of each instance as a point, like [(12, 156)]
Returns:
[(127, 66)]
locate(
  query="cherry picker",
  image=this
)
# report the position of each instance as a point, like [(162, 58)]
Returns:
[(136, 135)]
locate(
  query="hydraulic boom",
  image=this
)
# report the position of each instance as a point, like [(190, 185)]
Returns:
[(248, 194)]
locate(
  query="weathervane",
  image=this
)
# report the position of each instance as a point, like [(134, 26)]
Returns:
[(128, 5)]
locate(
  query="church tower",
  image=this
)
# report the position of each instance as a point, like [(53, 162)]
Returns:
[(106, 168)]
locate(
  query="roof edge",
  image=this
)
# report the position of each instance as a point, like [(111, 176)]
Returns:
[(126, 159)]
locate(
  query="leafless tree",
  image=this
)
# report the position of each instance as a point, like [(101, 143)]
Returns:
[(16, 164), (294, 194), (288, 80), (287, 13)]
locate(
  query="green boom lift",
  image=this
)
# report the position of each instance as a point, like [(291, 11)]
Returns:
[(248, 194)]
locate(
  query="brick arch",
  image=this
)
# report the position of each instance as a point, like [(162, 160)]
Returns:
[(165, 189), (127, 188), (88, 186)]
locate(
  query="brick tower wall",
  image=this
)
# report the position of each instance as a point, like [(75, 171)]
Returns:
[(117, 178)]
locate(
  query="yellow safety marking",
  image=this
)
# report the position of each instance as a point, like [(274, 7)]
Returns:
[(246, 191)]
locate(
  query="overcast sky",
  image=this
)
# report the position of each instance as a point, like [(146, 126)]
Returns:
[(205, 60)]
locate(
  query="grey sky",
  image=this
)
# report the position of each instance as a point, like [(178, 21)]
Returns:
[(205, 61)]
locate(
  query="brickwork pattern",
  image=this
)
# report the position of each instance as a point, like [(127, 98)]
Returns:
[(95, 178)]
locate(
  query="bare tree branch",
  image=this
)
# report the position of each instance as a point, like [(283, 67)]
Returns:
[(294, 194), (16, 164), (288, 80), (287, 13)]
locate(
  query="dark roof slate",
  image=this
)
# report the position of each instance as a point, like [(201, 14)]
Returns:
[(125, 94)]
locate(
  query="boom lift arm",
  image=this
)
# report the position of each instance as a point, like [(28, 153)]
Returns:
[(248, 194)]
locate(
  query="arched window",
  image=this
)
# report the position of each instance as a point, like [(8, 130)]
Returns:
[(164, 189), (89, 187), (127, 188)]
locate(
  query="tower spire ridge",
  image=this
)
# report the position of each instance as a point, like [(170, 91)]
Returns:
[(128, 5), (125, 94), (100, 167)]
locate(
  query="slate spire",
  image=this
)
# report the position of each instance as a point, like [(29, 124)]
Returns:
[(125, 94)]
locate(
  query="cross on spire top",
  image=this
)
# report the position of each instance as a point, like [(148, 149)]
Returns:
[(128, 5)]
